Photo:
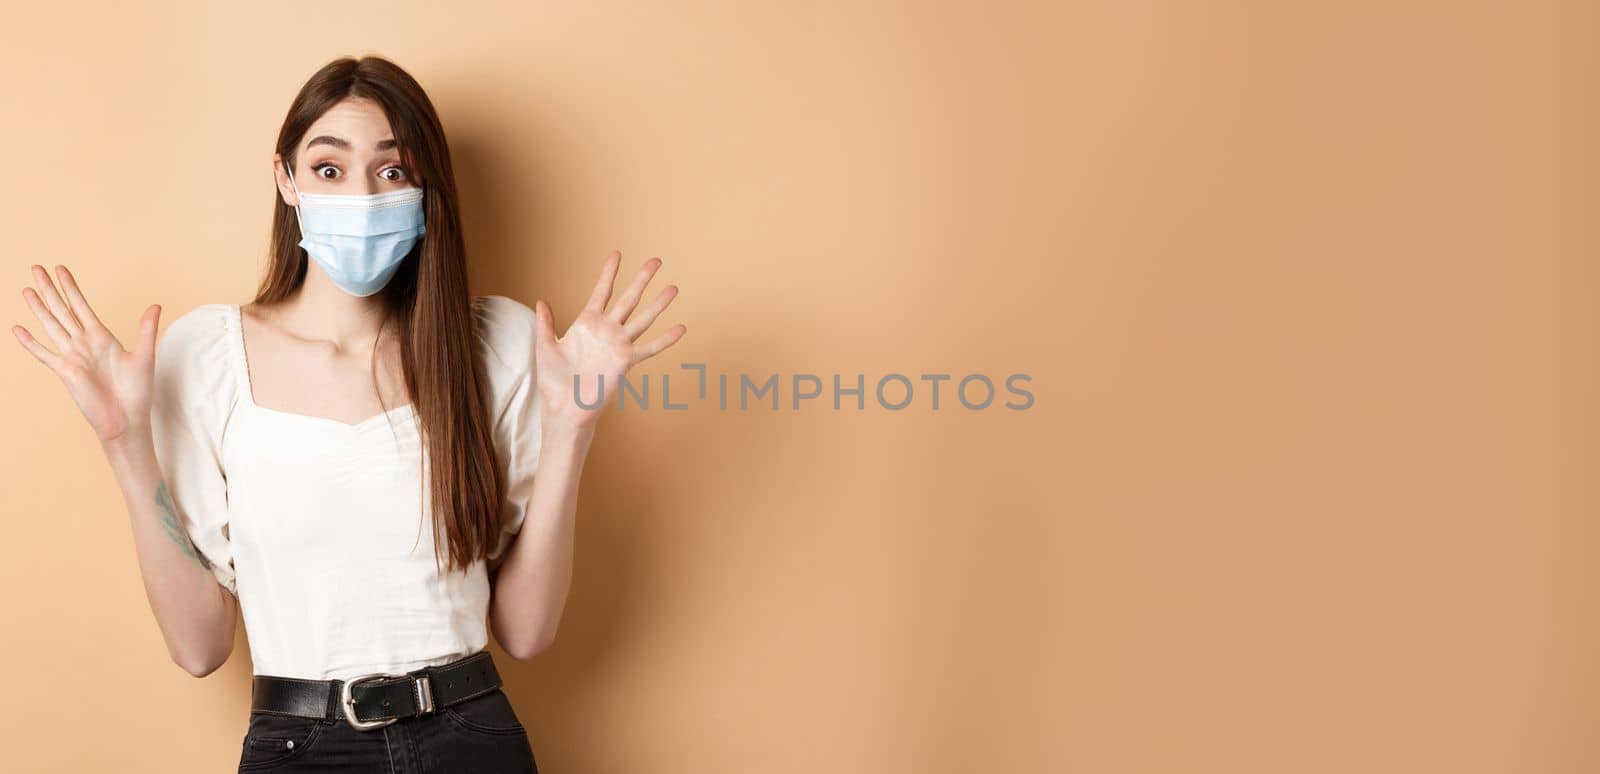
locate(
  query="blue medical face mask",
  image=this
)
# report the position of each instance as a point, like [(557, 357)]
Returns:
[(359, 240)]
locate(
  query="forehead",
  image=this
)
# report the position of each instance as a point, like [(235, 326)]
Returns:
[(360, 122)]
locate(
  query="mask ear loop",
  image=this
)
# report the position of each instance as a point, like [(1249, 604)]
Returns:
[(289, 168)]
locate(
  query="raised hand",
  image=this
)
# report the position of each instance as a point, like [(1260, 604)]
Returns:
[(599, 345), (110, 384)]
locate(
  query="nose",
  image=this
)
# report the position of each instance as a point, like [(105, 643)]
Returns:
[(369, 186)]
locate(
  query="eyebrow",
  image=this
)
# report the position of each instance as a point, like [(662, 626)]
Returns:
[(343, 144)]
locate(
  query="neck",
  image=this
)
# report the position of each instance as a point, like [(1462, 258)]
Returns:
[(319, 310)]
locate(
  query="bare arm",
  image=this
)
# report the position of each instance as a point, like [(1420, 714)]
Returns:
[(196, 614), (530, 587), (531, 584), (112, 388)]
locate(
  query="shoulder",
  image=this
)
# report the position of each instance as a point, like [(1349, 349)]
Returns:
[(203, 327), (196, 363), (505, 330), (196, 336)]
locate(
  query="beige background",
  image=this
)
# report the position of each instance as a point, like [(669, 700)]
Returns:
[(1306, 296)]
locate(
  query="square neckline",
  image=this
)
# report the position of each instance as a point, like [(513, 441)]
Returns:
[(247, 390)]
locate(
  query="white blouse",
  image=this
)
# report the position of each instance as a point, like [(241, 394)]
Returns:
[(321, 528)]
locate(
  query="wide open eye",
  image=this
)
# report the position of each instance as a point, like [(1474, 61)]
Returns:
[(318, 170), (400, 174)]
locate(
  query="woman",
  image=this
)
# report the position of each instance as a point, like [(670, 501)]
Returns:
[(349, 459)]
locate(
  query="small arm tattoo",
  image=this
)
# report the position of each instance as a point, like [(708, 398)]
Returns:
[(174, 526)]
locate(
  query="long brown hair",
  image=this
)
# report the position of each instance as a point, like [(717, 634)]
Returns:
[(427, 299)]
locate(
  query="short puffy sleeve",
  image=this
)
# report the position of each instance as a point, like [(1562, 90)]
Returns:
[(192, 396), (506, 329)]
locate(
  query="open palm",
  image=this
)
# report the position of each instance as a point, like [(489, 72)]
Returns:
[(599, 346), (110, 384)]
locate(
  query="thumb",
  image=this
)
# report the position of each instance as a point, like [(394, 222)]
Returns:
[(544, 324), (148, 323)]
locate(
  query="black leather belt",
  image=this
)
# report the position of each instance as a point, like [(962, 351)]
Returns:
[(376, 700)]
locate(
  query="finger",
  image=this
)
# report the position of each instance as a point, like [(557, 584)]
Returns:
[(638, 325), (646, 351), (544, 324), (148, 323), (52, 327), (630, 297), (39, 351), (80, 305), (52, 299), (602, 289)]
